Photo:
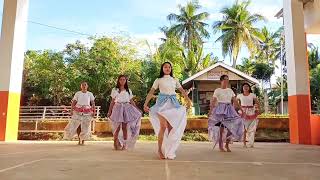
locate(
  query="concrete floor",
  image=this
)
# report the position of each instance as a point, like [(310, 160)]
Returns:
[(97, 160)]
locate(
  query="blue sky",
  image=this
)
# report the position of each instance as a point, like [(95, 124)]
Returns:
[(140, 19)]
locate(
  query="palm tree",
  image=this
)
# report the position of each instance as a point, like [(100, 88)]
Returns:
[(268, 48), (165, 31), (190, 61), (247, 66), (196, 60), (313, 56), (189, 25), (237, 29)]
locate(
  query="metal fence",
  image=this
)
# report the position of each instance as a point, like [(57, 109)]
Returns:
[(53, 113)]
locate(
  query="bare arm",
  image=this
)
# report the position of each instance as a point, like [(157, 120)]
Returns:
[(149, 97), (257, 104), (213, 103), (73, 104), (239, 105), (93, 106), (185, 95), (132, 102), (236, 102), (111, 107)]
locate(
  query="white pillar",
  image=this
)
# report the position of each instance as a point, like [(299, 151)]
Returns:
[(12, 47), (298, 72)]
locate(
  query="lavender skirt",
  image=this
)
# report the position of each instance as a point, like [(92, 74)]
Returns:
[(129, 114), (224, 115)]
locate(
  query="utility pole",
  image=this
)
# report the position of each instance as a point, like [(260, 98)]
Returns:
[(281, 66)]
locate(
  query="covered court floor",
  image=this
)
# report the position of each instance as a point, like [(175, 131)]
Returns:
[(97, 160)]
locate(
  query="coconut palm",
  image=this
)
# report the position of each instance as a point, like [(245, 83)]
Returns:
[(188, 25), (237, 29), (269, 46)]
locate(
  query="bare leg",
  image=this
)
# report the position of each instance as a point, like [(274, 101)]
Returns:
[(78, 133), (85, 130), (245, 138), (125, 134), (220, 140), (163, 126), (169, 127), (115, 139), (228, 142)]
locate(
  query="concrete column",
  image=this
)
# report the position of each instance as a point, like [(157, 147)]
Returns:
[(298, 72), (12, 47)]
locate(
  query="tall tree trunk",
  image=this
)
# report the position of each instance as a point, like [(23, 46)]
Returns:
[(234, 62), (265, 98), (266, 101)]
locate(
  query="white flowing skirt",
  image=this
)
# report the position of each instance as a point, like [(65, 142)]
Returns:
[(250, 125), (177, 118), (77, 119)]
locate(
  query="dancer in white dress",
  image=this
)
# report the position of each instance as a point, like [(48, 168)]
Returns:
[(249, 112), (82, 112), (124, 115), (167, 116)]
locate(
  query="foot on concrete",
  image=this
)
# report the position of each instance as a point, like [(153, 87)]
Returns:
[(227, 147), (160, 154)]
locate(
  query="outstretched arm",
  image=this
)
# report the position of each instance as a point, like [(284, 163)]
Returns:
[(183, 92), (149, 97)]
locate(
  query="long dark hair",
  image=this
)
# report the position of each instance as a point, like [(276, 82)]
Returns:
[(125, 85), (250, 90), (161, 70), (223, 76)]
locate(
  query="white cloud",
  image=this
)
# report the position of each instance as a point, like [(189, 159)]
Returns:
[(54, 42), (147, 42), (314, 39), (215, 4), (215, 16), (152, 38), (267, 8), (109, 29)]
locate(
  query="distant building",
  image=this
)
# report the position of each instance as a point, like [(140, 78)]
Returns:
[(202, 84)]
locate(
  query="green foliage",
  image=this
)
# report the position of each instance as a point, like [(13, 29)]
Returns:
[(269, 46), (313, 56), (44, 76), (194, 136), (186, 62), (189, 26), (262, 71), (275, 94), (277, 116), (237, 29), (56, 76), (247, 66), (315, 88), (148, 138), (52, 77)]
